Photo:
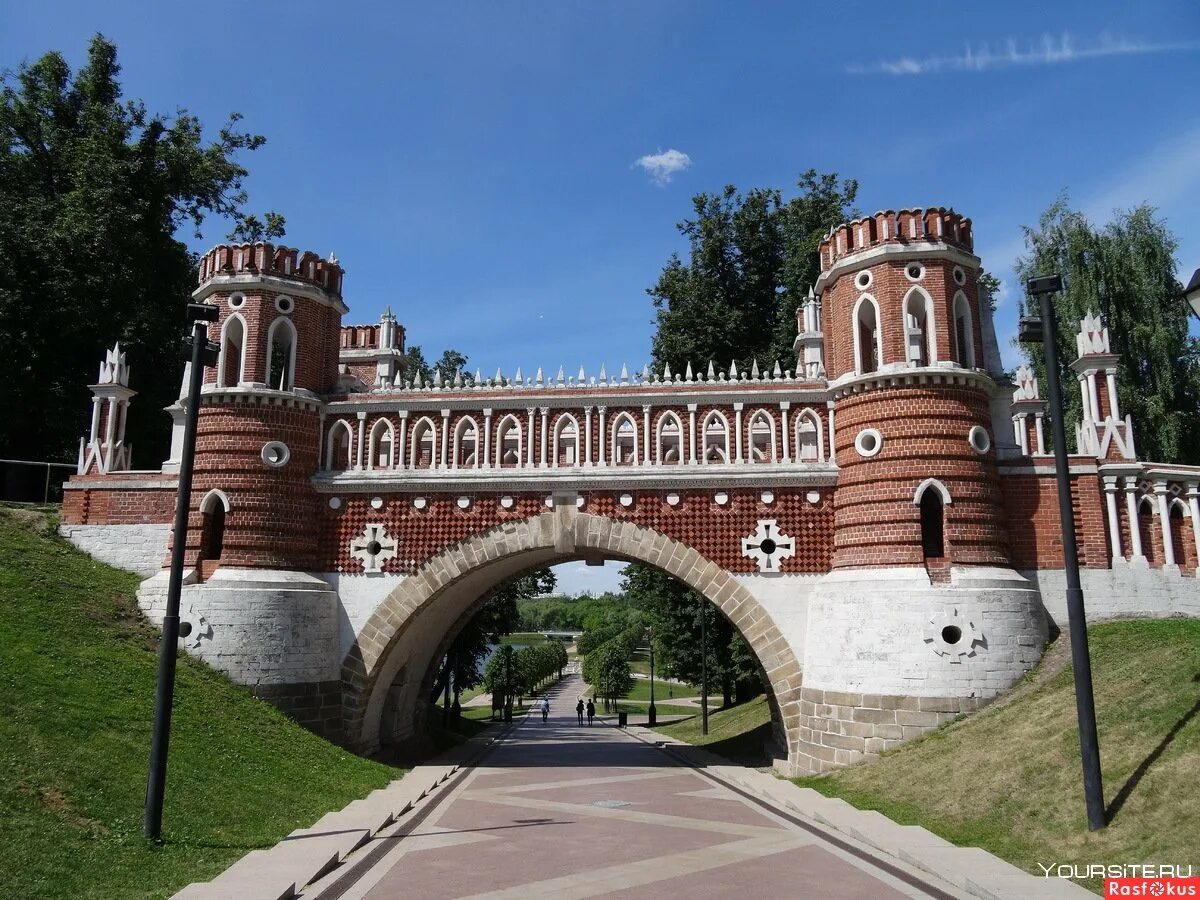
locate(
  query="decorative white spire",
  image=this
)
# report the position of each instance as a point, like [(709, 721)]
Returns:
[(113, 369)]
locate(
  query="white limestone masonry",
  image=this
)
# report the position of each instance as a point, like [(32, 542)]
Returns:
[(257, 626), (140, 549), (1123, 592), (878, 631)]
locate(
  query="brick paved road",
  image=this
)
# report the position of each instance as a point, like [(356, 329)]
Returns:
[(562, 811)]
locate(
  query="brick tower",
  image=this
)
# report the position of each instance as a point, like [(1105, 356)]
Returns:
[(922, 604), (251, 534)]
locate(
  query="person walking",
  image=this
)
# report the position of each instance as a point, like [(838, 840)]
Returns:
[(545, 709), (591, 712), (579, 710)]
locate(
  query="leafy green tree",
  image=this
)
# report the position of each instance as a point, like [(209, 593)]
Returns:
[(93, 188), (751, 260), (450, 363), (676, 614), (1126, 271), (250, 229)]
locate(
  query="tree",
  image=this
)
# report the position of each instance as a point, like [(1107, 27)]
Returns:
[(1126, 272), (450, 363), (676, 612), (250, 229), (752, 258), (92, 190), (497, 617)]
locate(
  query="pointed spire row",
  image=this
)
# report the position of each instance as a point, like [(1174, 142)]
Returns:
[(461, 380)]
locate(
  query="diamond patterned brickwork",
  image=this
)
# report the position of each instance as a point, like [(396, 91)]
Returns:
[(698, 522)]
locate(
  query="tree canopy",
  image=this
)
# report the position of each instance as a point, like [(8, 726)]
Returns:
[(1124, 270), (93, 188), (752, 258)]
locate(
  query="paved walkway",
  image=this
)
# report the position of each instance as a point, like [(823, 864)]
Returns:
[(561, 811)]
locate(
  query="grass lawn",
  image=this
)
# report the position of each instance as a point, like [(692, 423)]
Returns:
[(1008, 779), (736, 733), (664, 692), (660, 709), (77, 674), (522, 639)]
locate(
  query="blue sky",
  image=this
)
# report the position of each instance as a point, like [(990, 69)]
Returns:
[(474, 165)]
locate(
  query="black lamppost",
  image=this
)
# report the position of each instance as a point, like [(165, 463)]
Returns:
[(653, 716), (1045, 331), (204, 353), (703, 669)]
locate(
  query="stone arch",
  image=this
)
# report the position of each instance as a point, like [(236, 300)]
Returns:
[(920, 329), (565, 450), (397, 644), (281, 354), (383, 435), (231, 366), (461, 459), (338, 445), (868, 336), (423, 432)]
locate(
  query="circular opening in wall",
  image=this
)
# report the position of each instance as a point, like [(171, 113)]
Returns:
[(951, 634), (721, 498), (237, 301), (507, 502), (374, 547), (979, 439), (419, 503), (626, 500), (863, 280), (376, 503), (960, 276), (869, 442), (275, 454), (914, 271), (284, 304), (767, 546)]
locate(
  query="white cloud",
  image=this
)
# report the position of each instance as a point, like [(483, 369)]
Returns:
[(1048, 51), (664, 165)]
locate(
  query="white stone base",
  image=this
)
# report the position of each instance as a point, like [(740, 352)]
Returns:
[(878, 631), (260, 627), (140, 549), (1127, 590)]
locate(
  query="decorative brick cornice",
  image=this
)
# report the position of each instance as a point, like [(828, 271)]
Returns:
[(904, 376)]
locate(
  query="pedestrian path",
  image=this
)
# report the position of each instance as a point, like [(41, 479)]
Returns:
[(558, 810)]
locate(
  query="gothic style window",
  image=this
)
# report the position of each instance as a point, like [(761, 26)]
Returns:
[(624, 441), (867, 344), (716, 438), (466, 444), (233, 352), (212, 527), (281, 355), (337, 453), (919, 338), (933, 544), (808, 437), (670, 439), (762, 437), (424, 441), (566, 441), (964, 338), (508, 443), (380, 456)]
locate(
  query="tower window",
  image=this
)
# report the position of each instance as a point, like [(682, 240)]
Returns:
[(933, 545), (867, 337)]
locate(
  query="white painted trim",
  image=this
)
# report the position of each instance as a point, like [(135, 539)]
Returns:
[(373, 442), (614, 427), (810, 415), (414, 434), (559, 424), (713, 414), (658, 437), (329, 443), (937, 486), (930, 336), (465, 423), (755, 416), (506, 424), (967, 360), (206, 504)]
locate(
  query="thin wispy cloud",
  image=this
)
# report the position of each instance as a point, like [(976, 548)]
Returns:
[(664, 165), (1047, 51)]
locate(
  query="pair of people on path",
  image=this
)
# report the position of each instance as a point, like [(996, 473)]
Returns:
[(591, 711)]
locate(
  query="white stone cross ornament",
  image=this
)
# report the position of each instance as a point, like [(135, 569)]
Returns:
[(373, 548), (768, 546)]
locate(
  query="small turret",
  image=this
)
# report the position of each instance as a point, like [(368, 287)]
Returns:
[(810, 340), (1102, 432), (1028, 413), (105, 450)]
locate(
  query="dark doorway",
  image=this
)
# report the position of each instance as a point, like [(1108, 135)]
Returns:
[(212, 533), (933, 542)]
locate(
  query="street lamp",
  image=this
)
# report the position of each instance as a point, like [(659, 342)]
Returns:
[(703, 669), (1045, 331), (204, 354), (653, 717), (1191, 293)]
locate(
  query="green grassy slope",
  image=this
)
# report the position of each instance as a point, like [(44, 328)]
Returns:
[(1008, 779), (737, 733), (77, 671)]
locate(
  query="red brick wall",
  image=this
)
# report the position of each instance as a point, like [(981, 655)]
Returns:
[(924, 430), (1036, 530), (271, 520), (117, 505)]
